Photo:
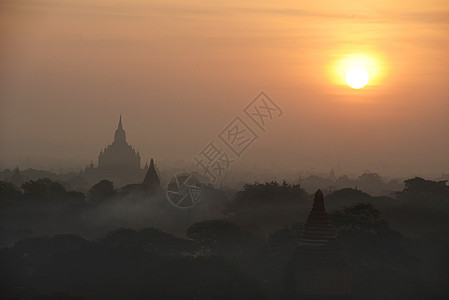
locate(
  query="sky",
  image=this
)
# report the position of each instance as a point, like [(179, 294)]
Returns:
[(180, 71)]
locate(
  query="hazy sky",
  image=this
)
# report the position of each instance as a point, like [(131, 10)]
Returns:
[(180, 71)]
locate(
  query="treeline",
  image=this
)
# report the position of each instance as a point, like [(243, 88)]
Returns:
[(232, 245), (218, 260), (45, 206)]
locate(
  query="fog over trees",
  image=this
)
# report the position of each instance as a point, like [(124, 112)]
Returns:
[(128, 243)]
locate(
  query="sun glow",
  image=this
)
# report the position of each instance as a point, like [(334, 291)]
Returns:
[(357, 77), (356, 70)]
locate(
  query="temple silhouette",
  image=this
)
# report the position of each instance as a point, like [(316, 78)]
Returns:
[(317, 270), (120, 163), (119, 156), (17, 177)]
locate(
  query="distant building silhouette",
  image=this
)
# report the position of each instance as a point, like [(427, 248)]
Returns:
[(149, 186), (151, 179), (317, 270), (119, 155), (17, 178), (118, 162)]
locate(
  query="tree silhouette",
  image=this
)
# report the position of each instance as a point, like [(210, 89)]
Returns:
[(147, 240), (222, 237), (8, 192), (272, 192), (285, 240), (44, 187), (101, 191), (361, 218), (375, 251), (214, 232), (425, 191), (266, 207)]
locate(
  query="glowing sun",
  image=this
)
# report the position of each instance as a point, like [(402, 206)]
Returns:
[(357, 77)]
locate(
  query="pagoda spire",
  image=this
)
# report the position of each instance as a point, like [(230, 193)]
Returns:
[(120, 135), (17, 177), (151, 180), (318, 229), (120, 123), (317, 270)]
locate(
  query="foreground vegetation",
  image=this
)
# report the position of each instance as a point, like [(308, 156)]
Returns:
[(62, 244)]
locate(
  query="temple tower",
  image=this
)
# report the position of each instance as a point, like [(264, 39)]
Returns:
[(151, 180), (119, 156), (317, 270), (118, 162), (17, 177), (120, 135)]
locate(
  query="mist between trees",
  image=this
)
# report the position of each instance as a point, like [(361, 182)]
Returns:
[(118, 243)]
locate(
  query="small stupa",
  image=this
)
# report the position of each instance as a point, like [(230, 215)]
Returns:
[(317, 270)]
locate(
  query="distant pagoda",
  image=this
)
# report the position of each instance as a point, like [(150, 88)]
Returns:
[(151, 185), (151, 180), (119, 155), (118, 162), (17, 177), (317, 270)]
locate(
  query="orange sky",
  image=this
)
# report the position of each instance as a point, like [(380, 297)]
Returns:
[(179, 72)]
